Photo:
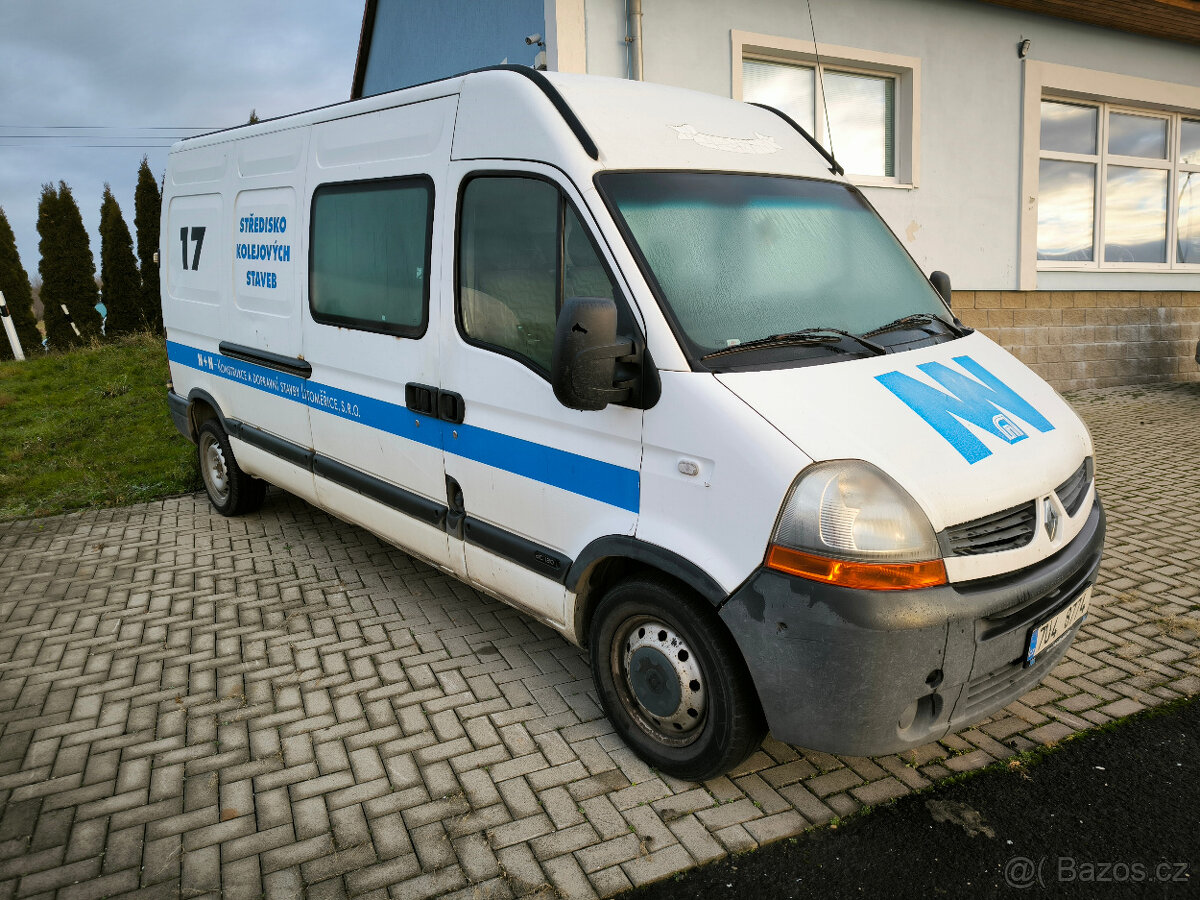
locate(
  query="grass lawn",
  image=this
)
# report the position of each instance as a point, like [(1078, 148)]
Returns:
[(90, 428)]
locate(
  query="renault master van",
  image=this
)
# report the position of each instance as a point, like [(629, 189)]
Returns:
[(641, 363)]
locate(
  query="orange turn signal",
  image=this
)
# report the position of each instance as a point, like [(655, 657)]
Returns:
[(867, 576)]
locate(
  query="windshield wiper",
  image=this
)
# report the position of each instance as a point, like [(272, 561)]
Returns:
[(804, 336), (918, 319)]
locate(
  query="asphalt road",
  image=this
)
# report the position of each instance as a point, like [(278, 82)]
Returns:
[(1110, 814)]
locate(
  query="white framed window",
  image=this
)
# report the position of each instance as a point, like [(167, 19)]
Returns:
[(1115, 188), (1187, 219), (1110, 180), (860, 104)]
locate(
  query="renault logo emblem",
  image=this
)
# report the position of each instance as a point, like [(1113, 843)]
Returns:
[(1050, 518)]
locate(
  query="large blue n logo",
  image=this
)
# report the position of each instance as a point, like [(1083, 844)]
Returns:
[(983, 403)]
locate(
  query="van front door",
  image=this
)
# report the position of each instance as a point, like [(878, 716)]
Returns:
[(536, 481)]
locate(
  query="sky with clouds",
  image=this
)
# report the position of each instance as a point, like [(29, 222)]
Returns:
[(148, 72)]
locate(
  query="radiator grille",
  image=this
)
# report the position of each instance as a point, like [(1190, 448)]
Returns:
[(1005, 530), (1072, 491)]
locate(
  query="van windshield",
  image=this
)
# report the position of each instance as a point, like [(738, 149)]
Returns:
[(742, 258)]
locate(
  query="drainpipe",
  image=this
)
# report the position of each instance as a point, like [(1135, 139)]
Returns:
[(633, 37)]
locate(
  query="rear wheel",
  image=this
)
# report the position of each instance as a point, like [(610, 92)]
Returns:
[(672, 680), (230, 490)]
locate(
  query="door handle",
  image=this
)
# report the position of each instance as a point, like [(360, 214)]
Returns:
[(421, 398), (451, 407), (438, 404)]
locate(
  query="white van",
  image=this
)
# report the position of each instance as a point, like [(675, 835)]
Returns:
[(637, 361)]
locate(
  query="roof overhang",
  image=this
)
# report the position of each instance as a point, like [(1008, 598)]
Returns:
[(1175, 20)]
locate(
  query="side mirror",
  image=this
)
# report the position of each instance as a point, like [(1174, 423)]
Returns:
[(586, 350), (941, 284)]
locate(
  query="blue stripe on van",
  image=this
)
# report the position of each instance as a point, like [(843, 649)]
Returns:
[(582, 475)]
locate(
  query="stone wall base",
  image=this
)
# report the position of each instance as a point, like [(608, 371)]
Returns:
[(1084, 339)]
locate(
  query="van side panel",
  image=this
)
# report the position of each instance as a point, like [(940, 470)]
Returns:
[(360, 369), (267, 246), (264, 277), (194, 270), (232, 248), (194, 214), (743, 466)]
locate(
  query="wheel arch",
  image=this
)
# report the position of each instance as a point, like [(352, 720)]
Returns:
[(201, 407), (609, 559)]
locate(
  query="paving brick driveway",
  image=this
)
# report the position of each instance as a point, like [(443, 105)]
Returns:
[(282, 705)]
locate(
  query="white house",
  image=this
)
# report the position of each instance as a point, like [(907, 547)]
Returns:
[(1045, 153)]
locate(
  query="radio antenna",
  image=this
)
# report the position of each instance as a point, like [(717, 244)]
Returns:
[(821, 81)]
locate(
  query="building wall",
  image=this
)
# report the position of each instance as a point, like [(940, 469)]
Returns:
[(964, 216), (968, 208), (1076, 329), (415, 41), (1083, 339)]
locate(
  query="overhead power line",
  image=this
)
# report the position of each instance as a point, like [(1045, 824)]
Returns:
[(92, 146), (125, 127), (113, 137), (85, 137)]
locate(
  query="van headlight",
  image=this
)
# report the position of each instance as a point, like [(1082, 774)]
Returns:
[(847, 523)]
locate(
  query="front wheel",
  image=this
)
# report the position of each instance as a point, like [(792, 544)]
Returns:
[(672, 680), (230, 490)]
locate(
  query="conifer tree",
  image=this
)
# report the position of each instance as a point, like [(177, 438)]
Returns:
[(147, 205), (67, 269), (81, 266), (18, 296), (121, 288), (58, 332)]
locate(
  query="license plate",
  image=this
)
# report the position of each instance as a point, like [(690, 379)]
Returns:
[(1045, 634)]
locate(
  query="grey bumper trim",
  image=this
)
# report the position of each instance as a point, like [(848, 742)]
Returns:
[(841, 670)]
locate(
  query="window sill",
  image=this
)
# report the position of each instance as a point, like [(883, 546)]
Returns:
[(871, 183), (1128, 270), (1125, 279)]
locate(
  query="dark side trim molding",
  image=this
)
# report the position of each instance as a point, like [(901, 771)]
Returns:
[(388, 494), (523, 552), (541, 560), (293, 365), (276, 446)]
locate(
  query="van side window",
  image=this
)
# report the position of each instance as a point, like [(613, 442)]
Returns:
[(522, 250), (370, 246)]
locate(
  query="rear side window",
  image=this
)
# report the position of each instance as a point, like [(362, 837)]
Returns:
[(522, 250), (369, 252)]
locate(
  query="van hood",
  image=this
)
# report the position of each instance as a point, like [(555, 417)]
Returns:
[(963, 426)]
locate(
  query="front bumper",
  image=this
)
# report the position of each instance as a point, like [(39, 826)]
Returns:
[(865, 673)]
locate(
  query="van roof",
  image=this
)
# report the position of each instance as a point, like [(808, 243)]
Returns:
[(588, 121)]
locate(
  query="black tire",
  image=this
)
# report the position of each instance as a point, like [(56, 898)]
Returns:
[(704, 716), (230, 490)]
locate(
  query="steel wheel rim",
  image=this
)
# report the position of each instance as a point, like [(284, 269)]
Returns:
[(659, 680), (214, 468)]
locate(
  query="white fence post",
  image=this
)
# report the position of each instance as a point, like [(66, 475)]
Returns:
[(70, 321), (10, 328)]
